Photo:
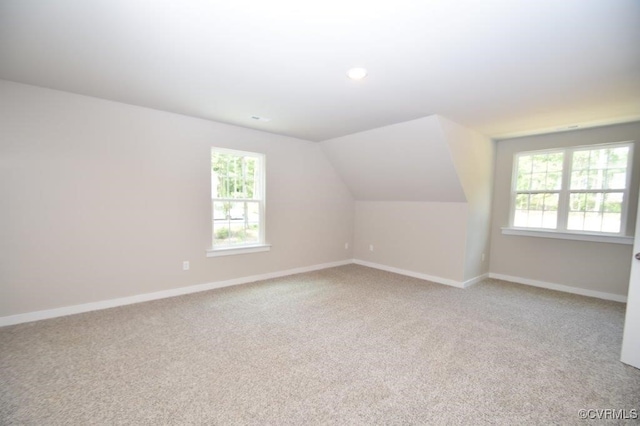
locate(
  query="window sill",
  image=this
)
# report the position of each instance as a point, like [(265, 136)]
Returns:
[(600, 238), (230, 251)]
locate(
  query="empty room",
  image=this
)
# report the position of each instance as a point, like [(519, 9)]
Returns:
[(332, 212)]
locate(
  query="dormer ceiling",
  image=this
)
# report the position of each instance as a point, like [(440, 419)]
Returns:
[(497, 66)]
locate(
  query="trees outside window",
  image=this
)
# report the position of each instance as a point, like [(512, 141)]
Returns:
[(237, 196)]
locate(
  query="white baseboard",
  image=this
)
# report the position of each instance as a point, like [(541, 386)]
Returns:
[(476, 280), (439, 280), (560, 287), (105, 304)]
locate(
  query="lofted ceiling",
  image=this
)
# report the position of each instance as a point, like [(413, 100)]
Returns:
[(501, 67)]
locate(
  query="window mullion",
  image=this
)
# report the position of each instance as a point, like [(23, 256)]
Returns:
[(563, 198)]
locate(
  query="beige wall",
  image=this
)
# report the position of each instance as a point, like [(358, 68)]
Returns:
[(594, 266), (423, 191), (103, 200), (427, 238), (473, 156)]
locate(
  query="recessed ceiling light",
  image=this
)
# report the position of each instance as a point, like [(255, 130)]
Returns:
[(357, 73)]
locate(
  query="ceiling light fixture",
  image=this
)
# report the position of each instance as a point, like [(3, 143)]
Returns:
[(357, 73)]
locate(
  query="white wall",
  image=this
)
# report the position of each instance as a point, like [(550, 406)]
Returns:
[(595, 266), (473, 156), (103, 200)]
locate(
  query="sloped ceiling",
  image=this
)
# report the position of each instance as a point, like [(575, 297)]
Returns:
[(408, 161), (497, 66)]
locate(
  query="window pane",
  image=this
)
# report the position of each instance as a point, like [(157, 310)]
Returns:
[(555, 161), (612, 216), (538, 181), (220, 234), (579, 179), (240, 234), (540, 163), (221, 222), (611, 222), (520, 219), (550, 215), (235, 176), (592, 221), (539, 172), (580, 160), (595, 212), (597, 158), (551, 202), (618, 157), (522, 210), (577, 202), (524, 182), (522, 201), (237, 211), (613, 202), (220, 210), (253, 212), (535, 219), (536, 202), (525, 164), (603, 168), (616, 179), (596, 179), (554, 181), (550, 220), (576, 221), (536, 211), (594, 202), (236, 223)]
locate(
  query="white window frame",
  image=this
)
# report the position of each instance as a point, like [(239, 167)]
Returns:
[(561, 231), (227, 250)]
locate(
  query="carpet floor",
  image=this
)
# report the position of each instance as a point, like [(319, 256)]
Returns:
[(347, 345)]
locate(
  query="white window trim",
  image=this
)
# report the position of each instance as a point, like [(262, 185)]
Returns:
[(563, 235), (230, 250), (561, 231), (233, 250)]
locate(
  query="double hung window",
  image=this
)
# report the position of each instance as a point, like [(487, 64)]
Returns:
[(237, 198), (572, 190)]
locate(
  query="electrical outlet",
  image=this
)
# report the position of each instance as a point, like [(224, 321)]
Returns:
[(346, 246), (370, 247), (185, 265), (483, 257)]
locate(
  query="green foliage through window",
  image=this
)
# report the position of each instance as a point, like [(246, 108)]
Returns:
[(237, 197)]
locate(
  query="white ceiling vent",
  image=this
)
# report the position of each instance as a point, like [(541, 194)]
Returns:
[(258, 118)]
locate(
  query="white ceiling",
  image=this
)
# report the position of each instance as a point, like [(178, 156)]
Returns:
[(498, 66)]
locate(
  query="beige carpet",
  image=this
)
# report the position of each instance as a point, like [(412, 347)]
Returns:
[(348, 345)]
